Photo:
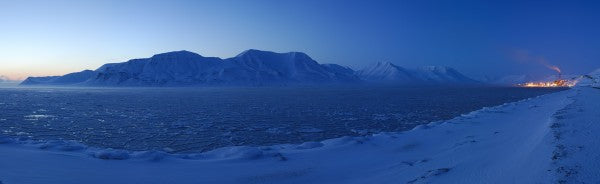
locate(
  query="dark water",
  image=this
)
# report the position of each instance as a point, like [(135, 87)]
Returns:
[(193, 120)]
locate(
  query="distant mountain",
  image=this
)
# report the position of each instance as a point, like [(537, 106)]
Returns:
[(591, 79), (167, 69), (342, 73), (4, 80), (72, 78), (269, 67), (184, 68), (443, 74), (249, 68), (385, 72), (509, 80)]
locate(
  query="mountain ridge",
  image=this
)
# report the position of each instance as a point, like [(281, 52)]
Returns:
[(249, 68), (386, 72)]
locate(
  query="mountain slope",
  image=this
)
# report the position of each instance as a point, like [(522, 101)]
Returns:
[(172, 68), (184, 68), (386, 72), (280, 68), (442, 74), (389, 73), (69, 79), (249, 68)]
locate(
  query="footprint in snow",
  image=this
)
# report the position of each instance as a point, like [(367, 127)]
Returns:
[(428, 174), (470, 139), (409, 147), (409, 163)]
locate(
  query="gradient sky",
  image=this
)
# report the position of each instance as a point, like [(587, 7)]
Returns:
[(476, 37)]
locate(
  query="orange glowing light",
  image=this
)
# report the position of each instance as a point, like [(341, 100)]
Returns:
[(556, 83)]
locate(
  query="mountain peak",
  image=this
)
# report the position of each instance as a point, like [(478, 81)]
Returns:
[(386, 71), (384, 63), (177, 54), (251, 67), (253, 52), (256, 52), (441, 69), (432, 67)]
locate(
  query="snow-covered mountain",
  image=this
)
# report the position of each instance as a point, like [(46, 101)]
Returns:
[(249, 68), (184, 68), (72, 78), (509, 80), (442, 74), (172, 68), (270, 67), (385, 72), (591, 79)]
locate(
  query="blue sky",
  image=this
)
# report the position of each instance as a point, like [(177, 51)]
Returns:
[(476, 37)]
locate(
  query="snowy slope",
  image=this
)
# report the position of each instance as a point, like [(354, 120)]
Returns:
[(389, 73), (575, 130), (184, 68), (546, 139), (592, 79), (69, 79), (442, 74), (386, 71), (270, 67), (172, 68), (341, 72), (249, 68)]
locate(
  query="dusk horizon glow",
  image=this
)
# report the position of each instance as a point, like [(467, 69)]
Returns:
[(299, 91), (42, 38)]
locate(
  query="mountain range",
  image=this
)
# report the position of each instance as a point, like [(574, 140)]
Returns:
[(386, 72), (249, 68)]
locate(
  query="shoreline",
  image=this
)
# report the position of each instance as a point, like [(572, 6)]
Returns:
[(404, 154), (123, 154)]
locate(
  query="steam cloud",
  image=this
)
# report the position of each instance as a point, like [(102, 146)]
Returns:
[(524, 56)]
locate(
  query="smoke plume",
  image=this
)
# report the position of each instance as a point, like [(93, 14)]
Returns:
[(525, 56)]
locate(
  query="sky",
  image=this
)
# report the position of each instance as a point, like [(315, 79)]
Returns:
[(478, 38)]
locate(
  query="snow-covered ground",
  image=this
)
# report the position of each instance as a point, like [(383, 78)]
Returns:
[(546, 139)]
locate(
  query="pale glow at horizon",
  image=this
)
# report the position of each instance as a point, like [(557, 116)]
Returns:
[(42, 38)]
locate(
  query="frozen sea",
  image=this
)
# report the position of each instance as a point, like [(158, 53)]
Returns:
[(183, 120)]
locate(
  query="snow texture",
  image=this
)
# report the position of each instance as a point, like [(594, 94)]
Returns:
[(386, 72)]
